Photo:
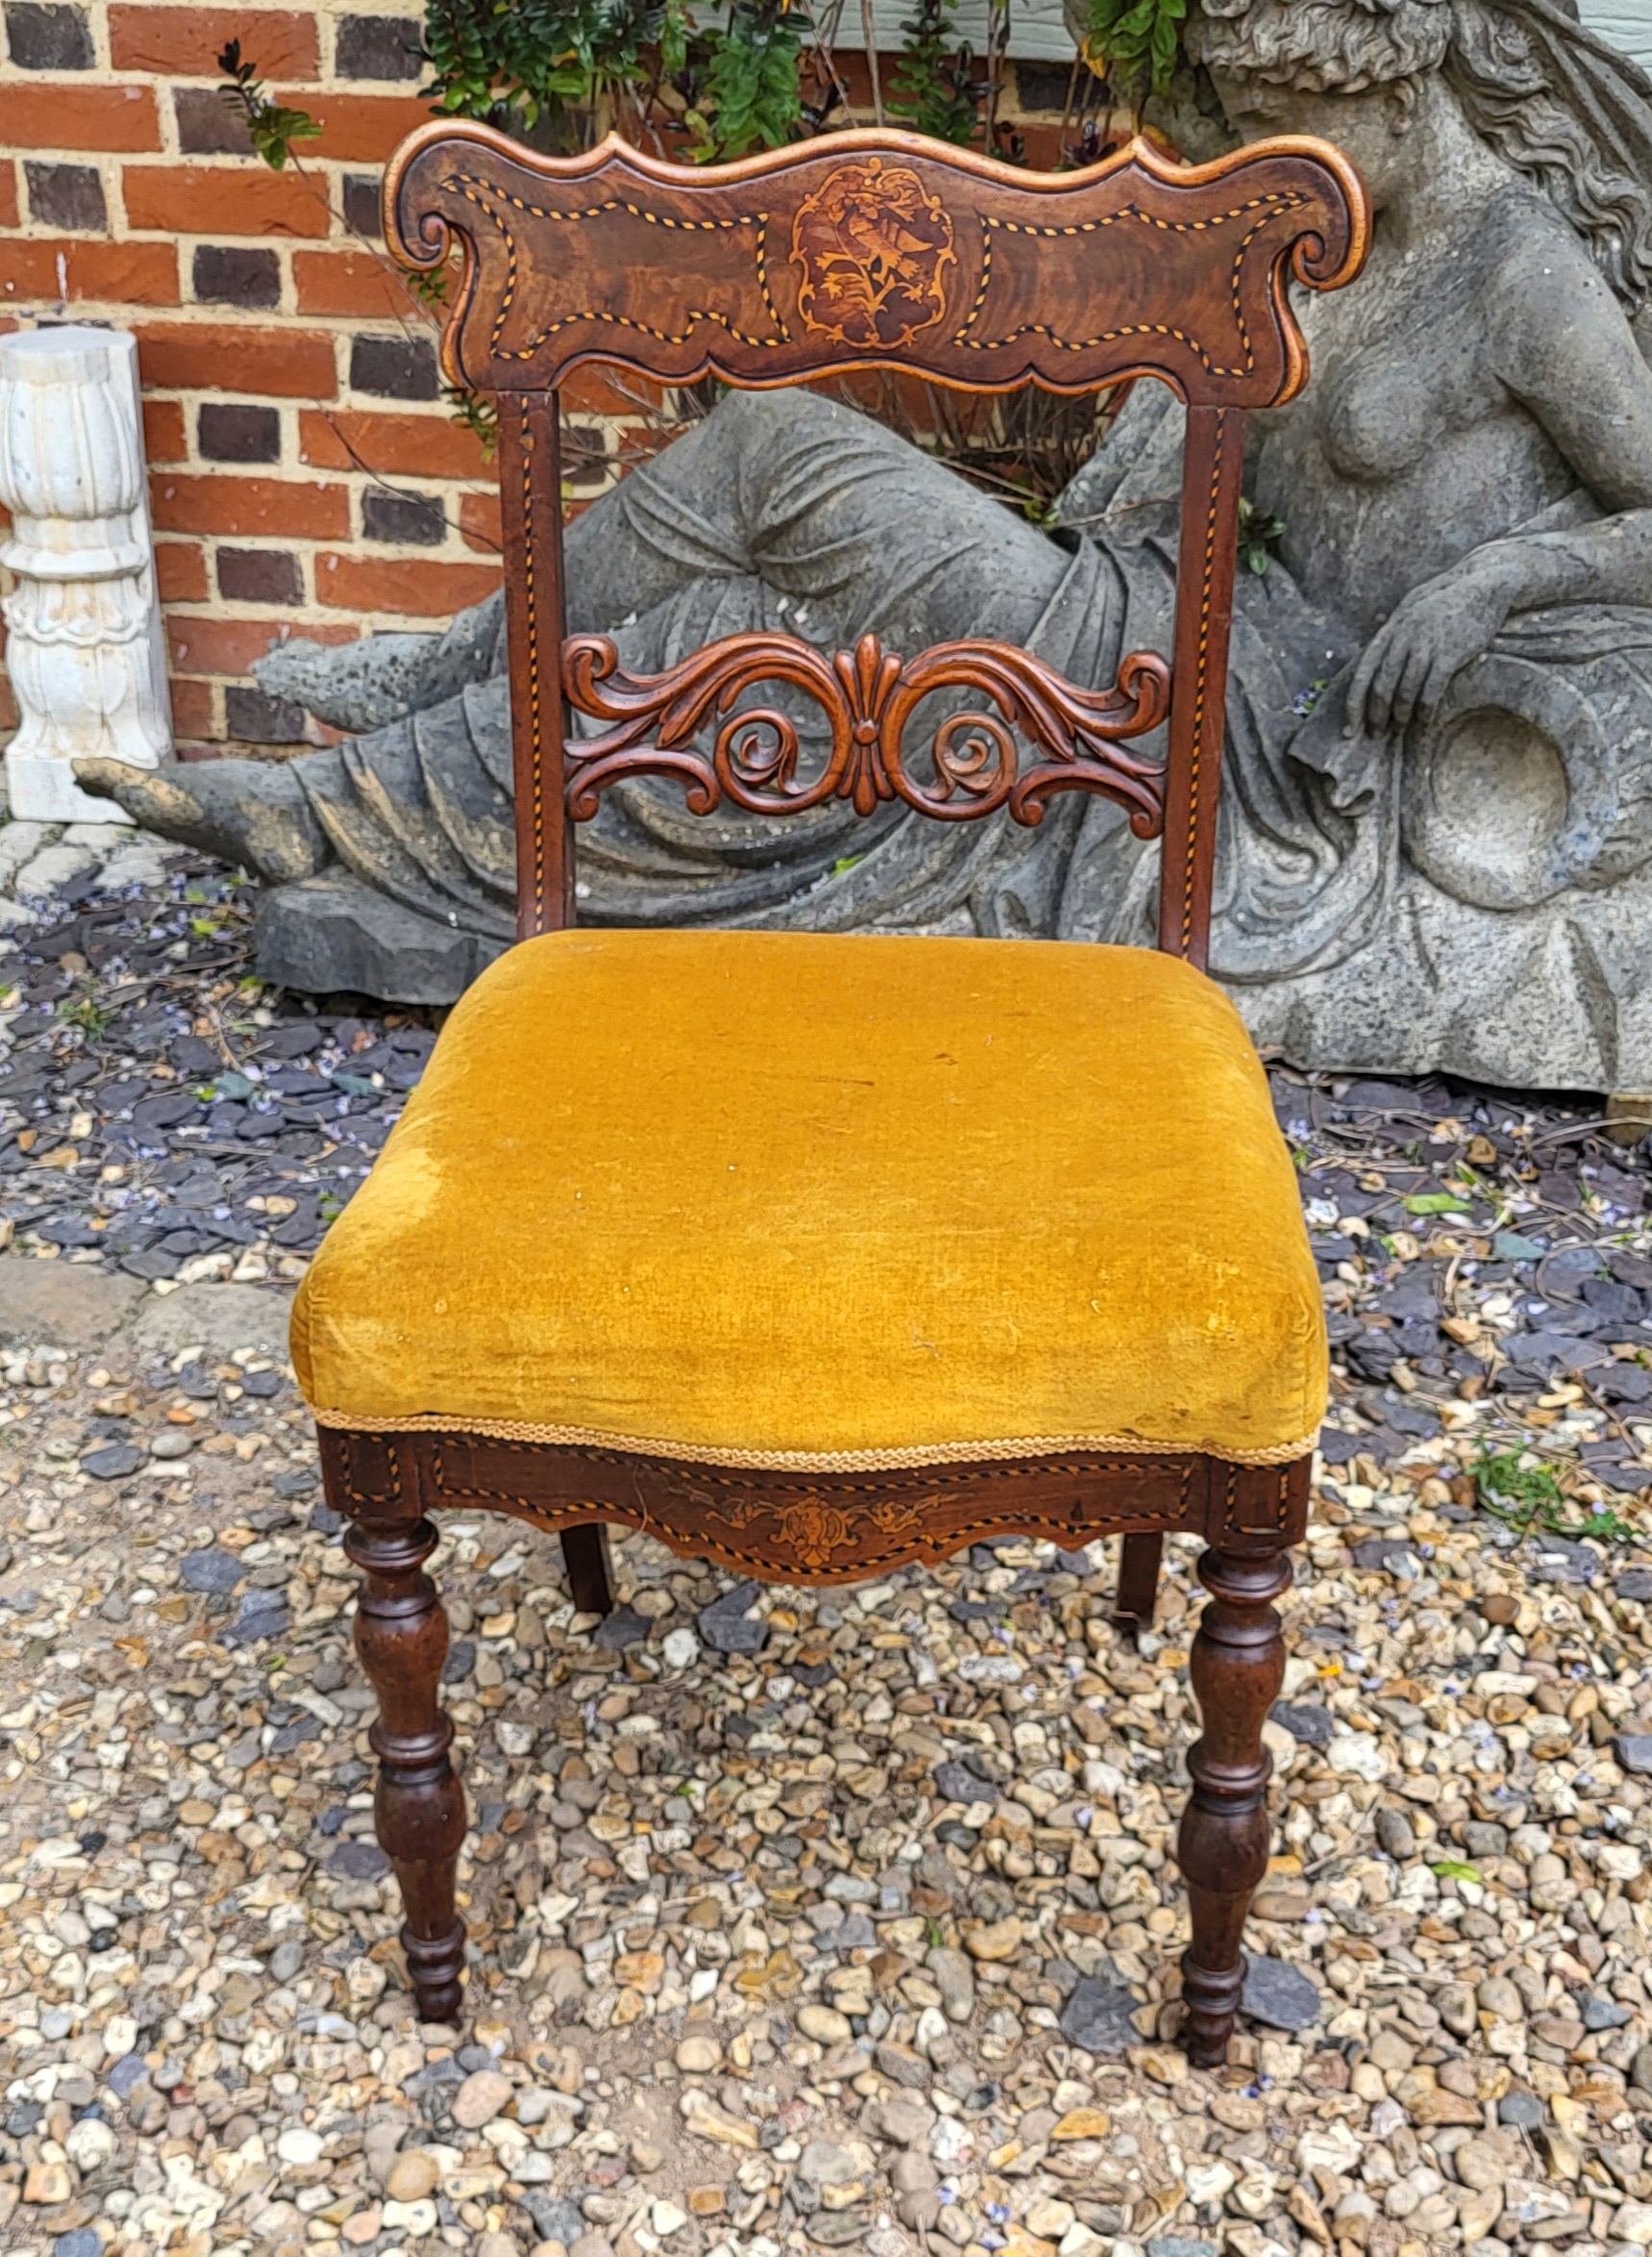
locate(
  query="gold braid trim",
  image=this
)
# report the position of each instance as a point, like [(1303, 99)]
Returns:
[(590, 1438)]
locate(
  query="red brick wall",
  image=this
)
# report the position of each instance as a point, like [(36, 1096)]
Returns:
[(306, 476)]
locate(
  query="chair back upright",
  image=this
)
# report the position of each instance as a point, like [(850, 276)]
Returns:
[(874, 250)]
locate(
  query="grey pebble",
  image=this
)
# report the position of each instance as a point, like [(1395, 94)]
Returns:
[(1604, 2014), (1394, 1833), (1307, 1721), (111, 1464), (955, 1783), (126, 2075), (1524, 2111), (1280, 1994), (835, 2229), (726, 1626), (1097, 2016), (622, 1628), (212, 1570), (360, 1860)]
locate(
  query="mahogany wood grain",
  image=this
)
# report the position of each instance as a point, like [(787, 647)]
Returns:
[(585, 1556), (868, 249), (418, 1806), (821, 1528), (1140, 1560), (1238, 1667), (877, 249), (531, 510), (1213, 464)]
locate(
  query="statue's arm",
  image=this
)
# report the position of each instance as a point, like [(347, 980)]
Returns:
[(1561, 345)]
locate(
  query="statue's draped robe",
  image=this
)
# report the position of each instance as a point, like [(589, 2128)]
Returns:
[(420, 808), (790, 514)]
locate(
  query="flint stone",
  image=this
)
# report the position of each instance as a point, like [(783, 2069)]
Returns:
[(1339, 1448), (1382, 1552), (1097, 2016), (1634, 1583), (554, 2219), (212, 1570), (1279, 1994), (1635, 1752), (1524, 2110), (1307, 1721), (725, 1627), (1603, 2014), (955, 1783), (114, 1462), (835, 2229), (359, 1861), (261, 1614), (622, 1628), (1559, 1561)]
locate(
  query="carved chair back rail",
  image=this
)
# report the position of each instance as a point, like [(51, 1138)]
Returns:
[(874, 250), (883, 251)]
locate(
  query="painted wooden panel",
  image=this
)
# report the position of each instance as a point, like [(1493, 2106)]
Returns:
[(1626, 23), (1039, 33)]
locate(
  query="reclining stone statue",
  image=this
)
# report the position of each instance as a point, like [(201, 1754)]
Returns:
[(1437, 836)]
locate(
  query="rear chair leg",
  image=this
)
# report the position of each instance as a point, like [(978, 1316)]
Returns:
[(1139, 1561), (1238, 1667), (418, 1806), (585, 1556)]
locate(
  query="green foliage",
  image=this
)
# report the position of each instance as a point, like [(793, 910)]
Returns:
[(1137, 41), (273, 130), (1257, 534), (749, 95), (1526, 1496), (477, 412), (523, 63), (88, 1014), (932, 90)]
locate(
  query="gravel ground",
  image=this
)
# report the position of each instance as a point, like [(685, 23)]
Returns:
[(799, 1919)]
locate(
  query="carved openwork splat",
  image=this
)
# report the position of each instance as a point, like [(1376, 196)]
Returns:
[(868, 696)]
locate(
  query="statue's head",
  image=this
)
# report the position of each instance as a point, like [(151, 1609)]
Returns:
[(1349, 70), (1321, 47), (1570, 112)]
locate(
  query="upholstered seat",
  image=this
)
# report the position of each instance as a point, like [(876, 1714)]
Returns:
[(786, 1199)]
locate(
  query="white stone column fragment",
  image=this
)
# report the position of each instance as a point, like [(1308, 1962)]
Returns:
[(85, 651)]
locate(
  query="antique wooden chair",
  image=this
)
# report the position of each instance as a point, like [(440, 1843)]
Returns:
[(818, 1255)]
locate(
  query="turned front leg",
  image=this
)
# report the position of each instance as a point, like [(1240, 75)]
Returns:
[(419, 1805), (1238, 1667)]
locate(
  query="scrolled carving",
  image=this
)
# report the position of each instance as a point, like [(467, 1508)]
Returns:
[(869, 697)]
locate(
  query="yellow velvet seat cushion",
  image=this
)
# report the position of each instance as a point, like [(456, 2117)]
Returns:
[(783, 1198)]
